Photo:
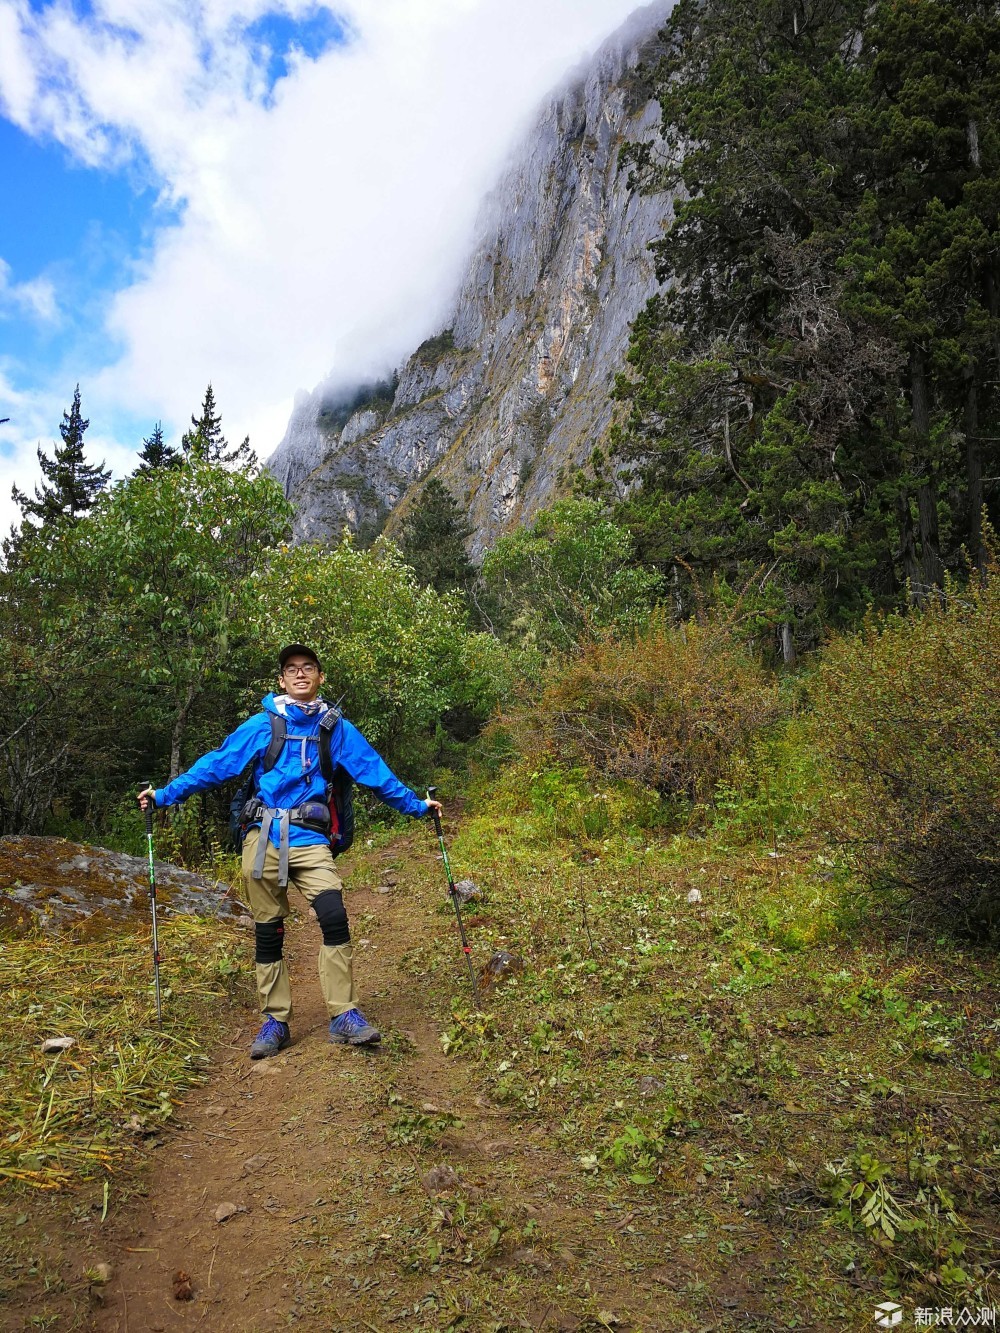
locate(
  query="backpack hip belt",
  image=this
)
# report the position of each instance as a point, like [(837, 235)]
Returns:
[(313, 815)]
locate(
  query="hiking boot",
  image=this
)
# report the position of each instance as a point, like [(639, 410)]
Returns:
[(353, 1029), (272, 1038)]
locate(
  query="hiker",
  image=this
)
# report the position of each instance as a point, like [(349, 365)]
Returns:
[(291, 795)]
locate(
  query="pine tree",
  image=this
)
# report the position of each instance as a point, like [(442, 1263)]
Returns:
[(813, 396), (206, 443), (922, 252), (433, 541), (156, 454), (71, 484)]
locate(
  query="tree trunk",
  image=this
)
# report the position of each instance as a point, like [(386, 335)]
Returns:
[(675, 588), (932, 569), (972, 135), (993, 305), (787, 644), (974, 471), (912, 572), (180, 726)]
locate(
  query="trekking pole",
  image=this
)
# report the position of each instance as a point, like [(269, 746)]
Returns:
[(432, 795), (152, 904)]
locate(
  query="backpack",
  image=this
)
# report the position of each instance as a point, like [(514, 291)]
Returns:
[(339, 786)]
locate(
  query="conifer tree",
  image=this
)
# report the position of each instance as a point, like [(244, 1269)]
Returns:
[(813, 398), (157, 454), (206, 443), (71, 484), (433, 541)]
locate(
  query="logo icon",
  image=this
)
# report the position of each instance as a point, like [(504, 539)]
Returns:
[(888, 1314)]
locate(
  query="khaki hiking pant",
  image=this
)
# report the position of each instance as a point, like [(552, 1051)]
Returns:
[(310, 870)]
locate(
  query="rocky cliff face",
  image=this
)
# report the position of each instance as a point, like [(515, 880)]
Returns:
[(516, 389)]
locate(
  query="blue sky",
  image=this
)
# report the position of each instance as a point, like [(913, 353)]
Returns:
[(243, 191)]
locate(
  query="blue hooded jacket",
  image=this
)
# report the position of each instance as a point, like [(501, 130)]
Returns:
[(296, 777)]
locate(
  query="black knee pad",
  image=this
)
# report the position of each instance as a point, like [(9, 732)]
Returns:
[(332, 917), (270, 936)]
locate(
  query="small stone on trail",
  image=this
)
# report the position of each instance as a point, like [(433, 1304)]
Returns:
[(215, 1110), (502, 964), (648, 1085), (466, 890), (182, 1286), (439, 1179), (51, 1044), (694, 896), (101, 1273), (255, 1164), (225, 1211), (273, 1065), (530, 1259), (245, 921), (384, 888)]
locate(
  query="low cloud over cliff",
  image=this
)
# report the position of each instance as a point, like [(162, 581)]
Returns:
[(318, 175)]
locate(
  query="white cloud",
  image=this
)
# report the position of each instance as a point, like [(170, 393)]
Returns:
[(322, 225), (36, 298)]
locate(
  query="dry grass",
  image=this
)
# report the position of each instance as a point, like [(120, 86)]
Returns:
[(80, 1113), (667, 706)]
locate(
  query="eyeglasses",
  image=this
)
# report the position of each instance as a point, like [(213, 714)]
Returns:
[(306, 670)]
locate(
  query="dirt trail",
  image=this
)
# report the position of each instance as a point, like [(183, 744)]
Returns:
[(375, 1190)]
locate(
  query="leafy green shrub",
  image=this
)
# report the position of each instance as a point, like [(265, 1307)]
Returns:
[(401, 655), (774, 787), (667, 707), (908, 712), (571, 573)]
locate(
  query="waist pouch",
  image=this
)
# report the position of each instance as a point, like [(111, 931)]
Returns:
[(313, 815)]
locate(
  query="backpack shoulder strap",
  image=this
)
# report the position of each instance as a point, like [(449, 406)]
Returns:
[(277, 741), (329, 723)]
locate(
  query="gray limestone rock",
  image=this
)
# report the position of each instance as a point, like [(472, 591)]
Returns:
[(60, 883), (516, 389)]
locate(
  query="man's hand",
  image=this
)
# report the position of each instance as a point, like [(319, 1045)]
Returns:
[(146, 799), (435, 805)]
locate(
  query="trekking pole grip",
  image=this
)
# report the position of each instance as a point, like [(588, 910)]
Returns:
[(432, 796), (148, 812)]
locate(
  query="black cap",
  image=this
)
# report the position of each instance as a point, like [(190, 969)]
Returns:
[(297, 650)]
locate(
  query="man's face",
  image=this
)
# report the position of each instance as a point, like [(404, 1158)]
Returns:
[(301, 679)]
